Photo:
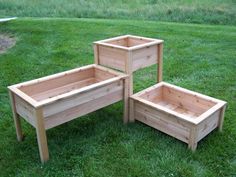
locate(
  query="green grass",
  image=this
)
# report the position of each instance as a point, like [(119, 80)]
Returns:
[(197, 57), (188, 11)]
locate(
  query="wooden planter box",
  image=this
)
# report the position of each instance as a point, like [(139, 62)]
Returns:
[(183, 114), (129, 53), (56, 99)]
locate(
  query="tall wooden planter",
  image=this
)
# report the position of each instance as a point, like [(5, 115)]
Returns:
[(129, 53)]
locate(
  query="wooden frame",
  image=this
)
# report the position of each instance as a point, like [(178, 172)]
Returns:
[(183, 114), (129, 53), (53, 100)]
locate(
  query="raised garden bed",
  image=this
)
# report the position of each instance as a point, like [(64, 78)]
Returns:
[(53, 100), (183, 114)]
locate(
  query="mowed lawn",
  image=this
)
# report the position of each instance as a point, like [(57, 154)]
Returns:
[(187, 11), (197, 57)]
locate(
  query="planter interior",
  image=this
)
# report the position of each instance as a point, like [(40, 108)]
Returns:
[(53, 87), (178, 101), (129, 41)]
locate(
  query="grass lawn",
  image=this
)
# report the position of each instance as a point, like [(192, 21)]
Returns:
[(197, 57), (188, 11)]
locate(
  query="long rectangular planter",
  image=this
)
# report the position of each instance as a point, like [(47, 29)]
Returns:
[(53, 100)]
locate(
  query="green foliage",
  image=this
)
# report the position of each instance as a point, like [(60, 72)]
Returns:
[(188, 11), (197, 57)]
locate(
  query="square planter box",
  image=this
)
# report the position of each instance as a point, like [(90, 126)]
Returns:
[(129, 53), (56, 99), (183, 114)]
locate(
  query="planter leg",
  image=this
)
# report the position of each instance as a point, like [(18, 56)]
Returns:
[(131, 110), (130, 103), (159, 62), (192, 146), (221, 121), (16, 118), (126, 102), (193, 139), (41, 136), (129, 80)]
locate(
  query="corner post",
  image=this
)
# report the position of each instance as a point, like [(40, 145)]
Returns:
[(41, 135), (126, 101), (193, 138), (129, 72), (221, 120), (131, 110), (96, 53), (16, 117), (159, 62)]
